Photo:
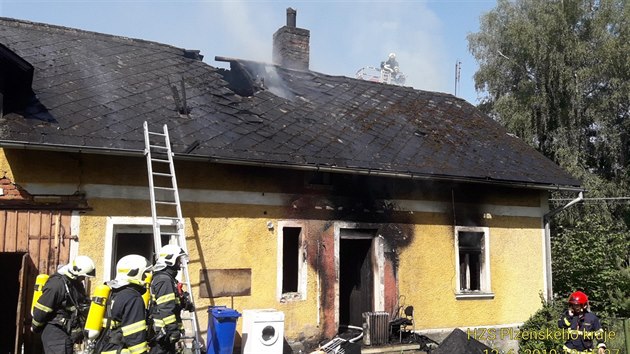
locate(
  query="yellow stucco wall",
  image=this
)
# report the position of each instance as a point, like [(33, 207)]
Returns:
[(236, 236), (5, 167), (427, 276), (217, 243)]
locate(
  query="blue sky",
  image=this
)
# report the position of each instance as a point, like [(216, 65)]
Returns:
[(429, 37)]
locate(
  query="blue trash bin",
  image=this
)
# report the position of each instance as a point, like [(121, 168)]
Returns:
[(221, 329)]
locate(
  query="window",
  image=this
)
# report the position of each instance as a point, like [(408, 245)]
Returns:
[(126, 235), (473, 263), (291, 261)]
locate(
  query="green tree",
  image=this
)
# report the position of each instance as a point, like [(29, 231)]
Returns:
[(588, 258), (557, 74)]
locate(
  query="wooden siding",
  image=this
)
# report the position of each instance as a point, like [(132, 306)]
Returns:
[(43, 234)]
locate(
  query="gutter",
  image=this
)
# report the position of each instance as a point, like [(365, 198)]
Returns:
[(547, 219), (318, 168)]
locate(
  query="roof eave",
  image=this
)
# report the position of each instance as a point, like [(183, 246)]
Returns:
[(320, 168)]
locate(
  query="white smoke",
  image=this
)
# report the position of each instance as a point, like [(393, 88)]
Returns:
[(345, 36)]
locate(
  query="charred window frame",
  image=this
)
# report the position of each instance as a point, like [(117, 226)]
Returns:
[(291, 261), (472, 262)]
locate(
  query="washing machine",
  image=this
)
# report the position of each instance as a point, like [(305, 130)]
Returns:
[(263, 331)]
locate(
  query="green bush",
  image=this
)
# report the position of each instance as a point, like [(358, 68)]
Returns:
[(544, 319)]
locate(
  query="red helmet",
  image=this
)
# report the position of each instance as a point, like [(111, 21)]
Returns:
[(578, 298)]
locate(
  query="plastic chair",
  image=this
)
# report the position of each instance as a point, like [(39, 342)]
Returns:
[(403, 323), (409, 324)]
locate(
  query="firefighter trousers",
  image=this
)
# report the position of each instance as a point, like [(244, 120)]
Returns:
[(55, 340)]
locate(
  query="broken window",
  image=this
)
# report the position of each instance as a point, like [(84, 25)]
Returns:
[(472, 254), (291, 259)]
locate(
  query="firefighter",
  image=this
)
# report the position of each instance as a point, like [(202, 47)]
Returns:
[(391, 64), (167, 300), (59, 313), (581, 326), (125, 326)]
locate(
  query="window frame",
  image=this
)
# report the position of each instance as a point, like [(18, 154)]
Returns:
[(122, 224), (485, 276), (300, 295)]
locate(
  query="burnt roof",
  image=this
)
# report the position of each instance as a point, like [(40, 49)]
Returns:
[(93, 91)]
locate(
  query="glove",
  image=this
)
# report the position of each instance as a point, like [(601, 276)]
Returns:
[(159, 337), (186, 303), (77, 335), (174, 337)]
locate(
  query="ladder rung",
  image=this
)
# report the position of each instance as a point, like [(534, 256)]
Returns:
[(156, 153), (164, 188), (162, 174)]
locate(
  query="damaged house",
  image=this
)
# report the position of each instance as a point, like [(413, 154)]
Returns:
[(326, 196)]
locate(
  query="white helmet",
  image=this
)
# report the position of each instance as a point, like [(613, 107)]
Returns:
[(132, 269), (81, 266), (168, 256), (392, 55)]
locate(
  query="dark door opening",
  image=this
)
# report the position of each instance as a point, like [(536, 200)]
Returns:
[(126, 243), (356, 284), (10, 280)]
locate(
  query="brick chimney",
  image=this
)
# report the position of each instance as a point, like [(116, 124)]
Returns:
[(291, 45)]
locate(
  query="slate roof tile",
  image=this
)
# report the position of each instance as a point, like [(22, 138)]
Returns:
[(95, 90)]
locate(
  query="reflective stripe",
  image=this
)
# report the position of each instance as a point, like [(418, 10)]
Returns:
[(37, 324), (43, 308), (566, 322), (139, 348), (169, 319), (158, 323), (122, 351), (112, 325), (162, 322), (134, 328), (165, 298)]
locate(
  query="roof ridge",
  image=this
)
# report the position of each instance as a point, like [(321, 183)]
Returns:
[(339, 76), (20, 22)]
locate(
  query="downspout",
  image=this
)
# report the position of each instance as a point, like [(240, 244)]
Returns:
[(547, 219)]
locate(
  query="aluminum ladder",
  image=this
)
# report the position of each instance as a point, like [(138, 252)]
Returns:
[(165, 200)]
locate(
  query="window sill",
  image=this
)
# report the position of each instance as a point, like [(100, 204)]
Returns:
[(474, 296), (291, 297)]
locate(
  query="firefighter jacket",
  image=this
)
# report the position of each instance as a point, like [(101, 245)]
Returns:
[(63, 303), (125, 322), (580, 332), (166, 306)]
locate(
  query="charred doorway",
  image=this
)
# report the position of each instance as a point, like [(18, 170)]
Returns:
[(356, 275), (10, 279)]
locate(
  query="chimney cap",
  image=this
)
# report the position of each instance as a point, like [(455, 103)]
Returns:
[(291, 17)]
